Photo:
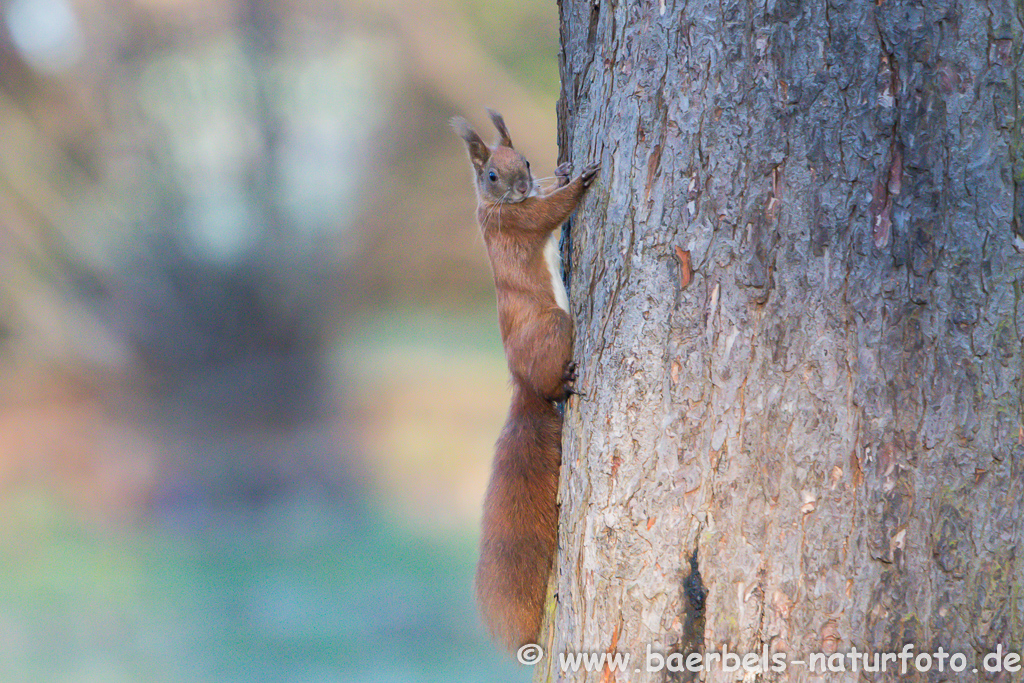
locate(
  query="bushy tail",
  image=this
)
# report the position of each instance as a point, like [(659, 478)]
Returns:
[(519, 532)]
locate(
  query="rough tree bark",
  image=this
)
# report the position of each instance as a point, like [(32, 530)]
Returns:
[(829, 406)]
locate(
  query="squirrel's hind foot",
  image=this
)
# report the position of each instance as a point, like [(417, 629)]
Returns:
[(569, 377)]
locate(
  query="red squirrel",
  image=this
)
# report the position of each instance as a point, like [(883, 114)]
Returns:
[(519, 531)]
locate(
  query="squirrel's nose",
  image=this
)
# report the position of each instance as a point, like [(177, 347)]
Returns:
[(522, 187)]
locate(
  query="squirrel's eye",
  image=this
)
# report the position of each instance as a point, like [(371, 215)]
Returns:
[(493, 176)]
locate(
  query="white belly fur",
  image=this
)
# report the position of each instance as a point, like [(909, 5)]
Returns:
[(551, 256)]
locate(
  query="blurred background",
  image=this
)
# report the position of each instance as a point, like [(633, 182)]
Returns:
[(250, 373)]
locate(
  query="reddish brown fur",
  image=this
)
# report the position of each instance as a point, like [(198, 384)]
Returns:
[(520, 519), (537, 334)]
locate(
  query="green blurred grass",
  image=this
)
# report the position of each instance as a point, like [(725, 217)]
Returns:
[(297, 591), (243, 598)]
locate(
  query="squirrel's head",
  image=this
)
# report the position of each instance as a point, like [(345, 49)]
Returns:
[(502, 173)]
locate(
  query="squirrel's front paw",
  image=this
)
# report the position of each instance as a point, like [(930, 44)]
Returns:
[(589, 173), (563, 173)]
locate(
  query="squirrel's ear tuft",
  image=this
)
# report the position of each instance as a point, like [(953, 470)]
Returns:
[(499, 123), (478, 151)]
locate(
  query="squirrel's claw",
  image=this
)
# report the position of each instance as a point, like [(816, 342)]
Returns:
[(574, 392), (589, 173), (563, 173), (569, 375), (569, 379)]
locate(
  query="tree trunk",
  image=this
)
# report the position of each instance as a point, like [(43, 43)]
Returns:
[(828, 406)]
